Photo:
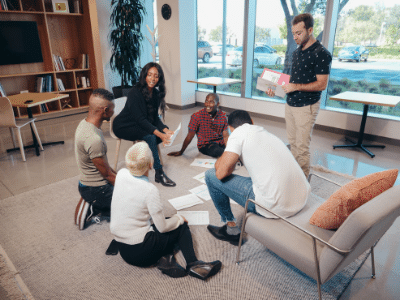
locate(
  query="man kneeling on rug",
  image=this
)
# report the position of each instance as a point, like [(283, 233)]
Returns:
[(276, 180), (97, 178), (135, 203)]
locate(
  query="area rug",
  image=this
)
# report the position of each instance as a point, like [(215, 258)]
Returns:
[(57, 261)]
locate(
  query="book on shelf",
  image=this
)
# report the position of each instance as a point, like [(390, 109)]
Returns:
[(58, 63), (60, 85), (76, 7), (84, 61), (4, 4), (44, 84), (2, 91), (39, 84), (49, 83)]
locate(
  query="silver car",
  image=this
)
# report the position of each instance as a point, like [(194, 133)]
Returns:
[(262, 56)]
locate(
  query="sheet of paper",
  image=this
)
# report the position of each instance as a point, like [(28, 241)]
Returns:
[(263, 85), (201, 177), (276, 77), (174, 135), (205, 163), (185, 201), (202, 192), (196, 217)]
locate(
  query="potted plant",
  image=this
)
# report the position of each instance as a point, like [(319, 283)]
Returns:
[(125, 38)]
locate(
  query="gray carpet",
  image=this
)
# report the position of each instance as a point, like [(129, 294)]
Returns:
[(57, 261)]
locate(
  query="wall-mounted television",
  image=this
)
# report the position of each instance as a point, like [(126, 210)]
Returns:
[(19, 43)]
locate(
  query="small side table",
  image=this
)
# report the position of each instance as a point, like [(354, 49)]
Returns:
[(28, 100), (215, 81), (366, 99)]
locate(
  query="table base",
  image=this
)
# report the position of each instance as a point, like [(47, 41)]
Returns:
[(359, 145), (34, 146)]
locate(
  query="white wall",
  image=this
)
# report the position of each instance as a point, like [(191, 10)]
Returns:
[(177, 50), (104, 12)]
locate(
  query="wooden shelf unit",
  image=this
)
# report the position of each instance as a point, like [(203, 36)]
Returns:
[(68, 35)]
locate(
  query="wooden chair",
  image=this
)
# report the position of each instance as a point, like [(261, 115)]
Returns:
[(7, 119)]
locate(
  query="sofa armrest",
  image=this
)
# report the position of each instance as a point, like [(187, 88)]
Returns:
[(296, 226)]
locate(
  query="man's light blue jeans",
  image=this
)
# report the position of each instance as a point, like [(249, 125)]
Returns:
[(236, 187)]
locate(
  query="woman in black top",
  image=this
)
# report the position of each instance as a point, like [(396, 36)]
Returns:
[(139, 119)]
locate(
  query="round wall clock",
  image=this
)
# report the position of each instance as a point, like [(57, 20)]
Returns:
[(166, 11)]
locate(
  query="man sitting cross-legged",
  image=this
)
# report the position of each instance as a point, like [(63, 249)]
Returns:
[(276, 180), (210, 126), (97, 178)]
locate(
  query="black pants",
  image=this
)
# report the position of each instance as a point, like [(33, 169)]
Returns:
[(98, 196), (213, 149), (156, 244)]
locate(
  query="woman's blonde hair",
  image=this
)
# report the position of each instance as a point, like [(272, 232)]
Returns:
[(139, 158)]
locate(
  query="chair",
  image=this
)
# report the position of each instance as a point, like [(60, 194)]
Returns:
[(7, 119), (321, 253), (119, 105)]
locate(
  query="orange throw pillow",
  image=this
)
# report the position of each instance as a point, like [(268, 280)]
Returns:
[(332, 213)]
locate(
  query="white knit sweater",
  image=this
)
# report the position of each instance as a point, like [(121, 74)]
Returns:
[(135, 203)]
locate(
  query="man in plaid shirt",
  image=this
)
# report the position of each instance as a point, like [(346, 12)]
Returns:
[(211, 127)]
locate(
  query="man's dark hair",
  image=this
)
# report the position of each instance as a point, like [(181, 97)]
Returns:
[(104, 94), (238, 118), (307, 18), (216, 97)]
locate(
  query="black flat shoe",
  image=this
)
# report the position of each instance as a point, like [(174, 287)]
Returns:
[(203, 270), (164, 180), (221, 234), (168, 266)]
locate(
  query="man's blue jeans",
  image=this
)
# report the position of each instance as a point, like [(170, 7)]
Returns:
[(236, 187)]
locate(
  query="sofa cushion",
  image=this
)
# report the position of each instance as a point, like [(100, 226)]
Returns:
[(332, 213)]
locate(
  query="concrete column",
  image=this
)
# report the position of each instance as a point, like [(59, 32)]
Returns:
[(178, 51)]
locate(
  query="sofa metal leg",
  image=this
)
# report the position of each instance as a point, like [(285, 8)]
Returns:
[(317, 269), (242, 231), (373, 262)]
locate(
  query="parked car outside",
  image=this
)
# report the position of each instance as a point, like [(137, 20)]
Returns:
[(269, 47), (204, 51), (217, 49), (356, 53), (262, 56)]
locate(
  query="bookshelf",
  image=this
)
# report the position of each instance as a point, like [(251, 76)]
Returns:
[(68, 35)]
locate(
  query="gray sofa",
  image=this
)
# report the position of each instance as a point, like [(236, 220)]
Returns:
[(321, 253)]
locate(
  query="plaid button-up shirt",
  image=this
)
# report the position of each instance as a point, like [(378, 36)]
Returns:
[(208, 130)]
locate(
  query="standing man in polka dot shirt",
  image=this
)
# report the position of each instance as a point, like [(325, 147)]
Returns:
[(308, 78)]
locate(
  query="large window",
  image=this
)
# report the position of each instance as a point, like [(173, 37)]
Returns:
[(366, 53), (212, 27), (365, 45), (273, 46)]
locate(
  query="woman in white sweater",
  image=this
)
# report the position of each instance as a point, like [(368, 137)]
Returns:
[(135, 205)]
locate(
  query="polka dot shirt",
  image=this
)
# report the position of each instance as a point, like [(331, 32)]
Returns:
[(306, 65)]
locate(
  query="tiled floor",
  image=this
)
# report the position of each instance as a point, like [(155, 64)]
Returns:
[(58, 162)]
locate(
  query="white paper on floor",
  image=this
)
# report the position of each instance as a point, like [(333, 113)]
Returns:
[(202, 192), (185, 201), (203, 162), (196, 217)]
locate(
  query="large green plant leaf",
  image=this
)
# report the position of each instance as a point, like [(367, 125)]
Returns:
[(125, 39)]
